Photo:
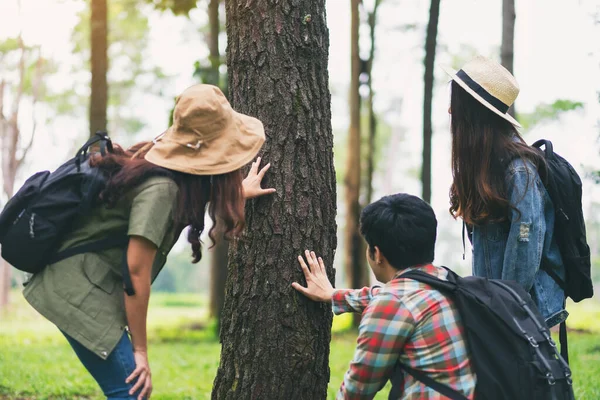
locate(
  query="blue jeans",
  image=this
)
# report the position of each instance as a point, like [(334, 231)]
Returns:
[(112, 372)]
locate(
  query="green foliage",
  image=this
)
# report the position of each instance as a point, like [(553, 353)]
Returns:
[(177, 7), (180, 275), (548, 112), (9, 45)]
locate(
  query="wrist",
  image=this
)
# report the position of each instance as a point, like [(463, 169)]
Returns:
[(328, 296)]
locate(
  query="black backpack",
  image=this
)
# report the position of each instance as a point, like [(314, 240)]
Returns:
[(35, 220), (564, 187), (512, 353)]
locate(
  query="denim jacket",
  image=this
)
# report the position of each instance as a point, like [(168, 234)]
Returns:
[(515, 249)]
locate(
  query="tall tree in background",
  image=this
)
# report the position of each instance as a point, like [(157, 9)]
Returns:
[(130, 70), (99, 65), (372, 21), (218, 263), (430, 45), (507, 51), (14, 144), (353, 245), (275, 343)]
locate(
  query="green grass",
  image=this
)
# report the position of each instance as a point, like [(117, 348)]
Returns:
[(37, 363)]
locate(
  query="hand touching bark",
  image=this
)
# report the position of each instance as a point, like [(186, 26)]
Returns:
[(318, 287), (251, 185)]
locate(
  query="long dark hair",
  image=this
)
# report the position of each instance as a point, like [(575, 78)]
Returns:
[(220, 194), (483, 144)]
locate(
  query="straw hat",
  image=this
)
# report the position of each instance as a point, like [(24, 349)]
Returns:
[(207, 136), (489, 83)]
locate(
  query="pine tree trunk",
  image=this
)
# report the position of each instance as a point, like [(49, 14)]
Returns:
[(430, 45), (354, 256), (218, 278), (508, 40), (213, 42), (218, 264), (275, 342), (372, 117), (99, 66)]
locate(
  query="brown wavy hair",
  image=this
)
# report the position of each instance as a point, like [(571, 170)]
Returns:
[(483, 144), (220, 195)]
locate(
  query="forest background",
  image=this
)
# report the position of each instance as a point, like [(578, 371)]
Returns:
[(158, 48)]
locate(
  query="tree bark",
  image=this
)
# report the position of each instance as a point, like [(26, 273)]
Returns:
[(508, 40), (275, 342), (354, 255), (99, 66), (430, 45)]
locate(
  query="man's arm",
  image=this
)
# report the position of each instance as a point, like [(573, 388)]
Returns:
[(319, 288), (386, 325), (353, 300)]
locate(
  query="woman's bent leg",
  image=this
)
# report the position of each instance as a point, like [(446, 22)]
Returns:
[(112, 372)]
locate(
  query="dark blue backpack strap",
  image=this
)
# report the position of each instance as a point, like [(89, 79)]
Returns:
[(117, 241), (397, 380)]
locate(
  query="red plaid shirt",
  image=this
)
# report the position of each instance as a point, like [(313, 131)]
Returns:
[(405, 321)]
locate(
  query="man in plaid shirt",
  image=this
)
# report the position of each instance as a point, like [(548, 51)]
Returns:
[(404, 321)]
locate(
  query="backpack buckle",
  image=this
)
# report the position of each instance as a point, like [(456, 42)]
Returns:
[(532, 341), (550, 379)]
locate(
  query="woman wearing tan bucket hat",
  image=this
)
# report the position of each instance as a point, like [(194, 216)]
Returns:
[(497, 189), (154, 191)]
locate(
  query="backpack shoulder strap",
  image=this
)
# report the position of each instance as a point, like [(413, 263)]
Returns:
[(548, 148), (423, 277), (111, 242), (424, 379)]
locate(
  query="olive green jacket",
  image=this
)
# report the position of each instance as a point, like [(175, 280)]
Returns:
[(83, 295)]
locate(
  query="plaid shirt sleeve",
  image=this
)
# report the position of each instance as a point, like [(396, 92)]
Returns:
[(353, 300), (386, 325)]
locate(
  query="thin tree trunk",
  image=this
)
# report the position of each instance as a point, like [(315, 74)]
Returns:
[(430, 45), (99, 66), (218, 278), (354, 255), (218, 265), (10, 163), (372, 117), (213, 42), (275, 342), (508, 40)]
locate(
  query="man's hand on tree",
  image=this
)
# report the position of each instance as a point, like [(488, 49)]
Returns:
[(318, 287)]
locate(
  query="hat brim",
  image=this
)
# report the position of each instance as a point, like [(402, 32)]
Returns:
[(236, 147), (452, 73)]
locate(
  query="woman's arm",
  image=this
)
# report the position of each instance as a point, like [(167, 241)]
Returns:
[(140, 257), (523, 253)]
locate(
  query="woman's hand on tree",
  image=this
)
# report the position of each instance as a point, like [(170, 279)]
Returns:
[(318, 287), (143, 375), (251, 185)]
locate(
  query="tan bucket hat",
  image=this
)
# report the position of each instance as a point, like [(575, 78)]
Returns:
[(489, 83), (207, 136)]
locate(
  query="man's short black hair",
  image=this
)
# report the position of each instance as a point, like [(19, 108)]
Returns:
[(404, 228)]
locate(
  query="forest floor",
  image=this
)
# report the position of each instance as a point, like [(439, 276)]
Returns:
[(37, 363)]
